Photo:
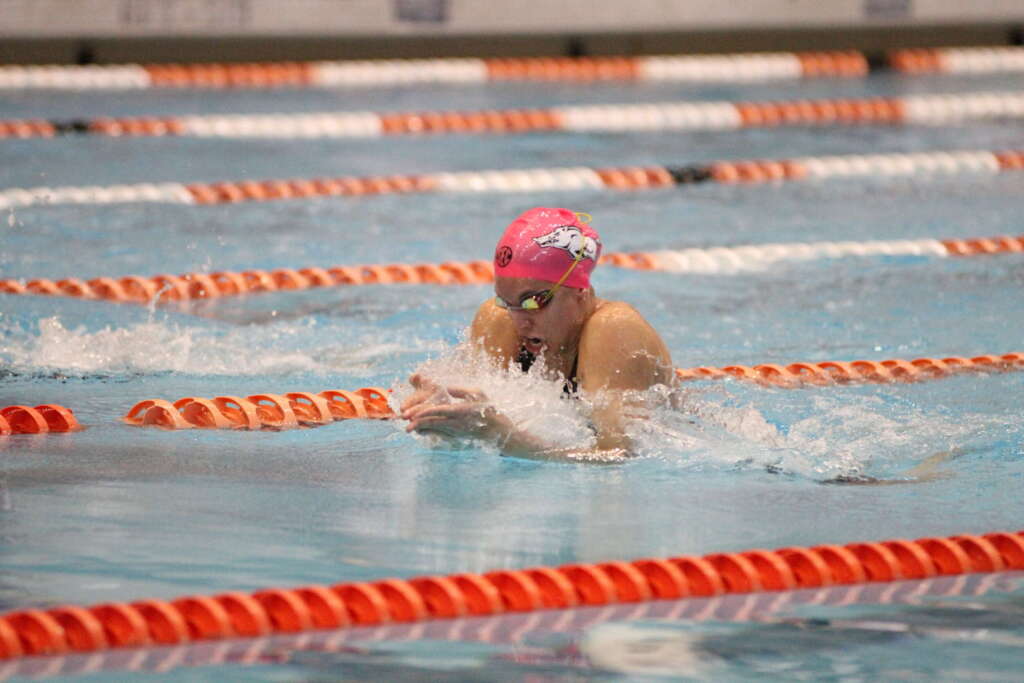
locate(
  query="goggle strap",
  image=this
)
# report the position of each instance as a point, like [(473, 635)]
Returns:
[(565, 276)]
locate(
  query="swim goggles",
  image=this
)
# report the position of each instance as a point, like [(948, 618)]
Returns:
[(537, 301)]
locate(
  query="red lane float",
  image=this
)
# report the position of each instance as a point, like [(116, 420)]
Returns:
[(859, 371), (68, 628), (261, 411), (41, 419)]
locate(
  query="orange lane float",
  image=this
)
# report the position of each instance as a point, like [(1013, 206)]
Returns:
[(954, 60), (582, 118), (190, 286), (623, 178), (230, 75), (41, 419), (261, 411), (858, 371), (504, 628), (363, 73), (304, 409), (195, 618), (166, 288), (984, 245)]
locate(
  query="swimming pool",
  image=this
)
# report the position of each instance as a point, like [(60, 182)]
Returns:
[(118, 513)]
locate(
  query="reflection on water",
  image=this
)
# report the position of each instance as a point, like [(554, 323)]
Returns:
[(954, 628), (877, 642)]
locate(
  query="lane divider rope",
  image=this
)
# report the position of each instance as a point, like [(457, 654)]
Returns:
[(932, 109), (958, 60), (269, 411), (533, 179), (822, 373), (728, 260), (228, 283), (742, 67), (261, 411), (190, 286), (509, 628), (42, 419), (194, 618)]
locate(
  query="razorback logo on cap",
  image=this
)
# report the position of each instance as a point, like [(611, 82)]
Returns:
[(570, 238)]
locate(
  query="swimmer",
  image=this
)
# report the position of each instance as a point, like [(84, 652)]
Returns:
[(545, 309)]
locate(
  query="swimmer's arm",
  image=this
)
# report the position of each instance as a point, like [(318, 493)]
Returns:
[(521, 444), (474, 416), (621, 356), (927, 470)]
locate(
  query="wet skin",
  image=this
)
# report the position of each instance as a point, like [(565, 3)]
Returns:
[(618, 352)]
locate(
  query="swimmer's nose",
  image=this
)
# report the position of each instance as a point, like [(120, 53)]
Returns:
[(522, 320)]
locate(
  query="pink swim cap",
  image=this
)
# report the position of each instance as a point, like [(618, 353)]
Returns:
[(542, 243)]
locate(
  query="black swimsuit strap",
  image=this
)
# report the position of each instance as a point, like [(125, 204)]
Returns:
[(525, 360), (572, 386)]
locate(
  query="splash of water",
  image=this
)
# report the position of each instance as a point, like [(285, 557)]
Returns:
[(710, 429), (149, 347), (532, 403), (663, 422)]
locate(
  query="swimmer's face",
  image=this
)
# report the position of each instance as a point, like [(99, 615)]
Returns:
[(548, 329)]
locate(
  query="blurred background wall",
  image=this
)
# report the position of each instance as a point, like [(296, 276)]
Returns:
[(116, 31)]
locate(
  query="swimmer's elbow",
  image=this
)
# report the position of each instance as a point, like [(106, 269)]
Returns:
[(611, 445)]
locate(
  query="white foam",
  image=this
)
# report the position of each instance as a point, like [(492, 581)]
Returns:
[(848, 435), (151, 347), (845, 434), (720, 428), (703, 430), (672, 424), (365, 357)]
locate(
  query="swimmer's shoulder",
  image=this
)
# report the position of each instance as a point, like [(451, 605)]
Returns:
[(612, 312), (617, 336), (492, 329), (616, 318), (489, 317)]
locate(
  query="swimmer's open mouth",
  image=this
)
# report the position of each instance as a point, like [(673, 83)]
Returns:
[(533, 344)]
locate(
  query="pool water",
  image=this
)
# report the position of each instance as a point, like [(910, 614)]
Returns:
[(119, 513)]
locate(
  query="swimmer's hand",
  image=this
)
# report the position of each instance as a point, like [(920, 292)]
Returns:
[(431, 409), (459, 412), (427, 391)]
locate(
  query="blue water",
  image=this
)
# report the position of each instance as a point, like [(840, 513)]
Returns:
[(122, 513)]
